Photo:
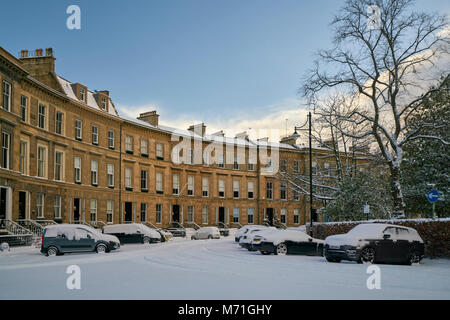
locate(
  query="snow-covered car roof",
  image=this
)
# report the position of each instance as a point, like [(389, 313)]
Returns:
[(244, 229), (368, 231), (209, 228), (248, 237), (71, 231), (285, 235), (374, 228)]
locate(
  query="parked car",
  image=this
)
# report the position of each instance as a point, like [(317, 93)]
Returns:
[(246, 240), (288, 241), (243, 230), (132, 233), (68, 238), (376, 243), (177, 230), (206, 233), (224, 231)]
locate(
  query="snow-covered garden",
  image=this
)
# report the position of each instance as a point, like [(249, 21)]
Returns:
[(211, 269)]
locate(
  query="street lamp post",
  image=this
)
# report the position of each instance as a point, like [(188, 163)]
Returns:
[(296, 135)]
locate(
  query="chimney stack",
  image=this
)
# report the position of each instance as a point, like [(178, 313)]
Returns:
[(150, 117), (195, 128), (39, 66), (242, 135), (219, 134), (288, 140)]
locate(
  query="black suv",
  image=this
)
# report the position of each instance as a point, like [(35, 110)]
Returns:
[(376, 243)]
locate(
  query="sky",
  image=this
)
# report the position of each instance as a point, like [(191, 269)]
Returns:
[(233, 64)]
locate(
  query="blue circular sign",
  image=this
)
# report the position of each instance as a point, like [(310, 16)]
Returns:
[(433, 196)]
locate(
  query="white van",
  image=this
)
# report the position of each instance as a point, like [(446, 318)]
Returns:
[(132, 233)]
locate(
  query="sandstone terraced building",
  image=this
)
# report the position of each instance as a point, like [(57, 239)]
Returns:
[(68, 156)]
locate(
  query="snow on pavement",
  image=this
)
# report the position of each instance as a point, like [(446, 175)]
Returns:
[(210, 269)]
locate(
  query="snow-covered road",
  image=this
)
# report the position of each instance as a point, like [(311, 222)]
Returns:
[(211, 269)]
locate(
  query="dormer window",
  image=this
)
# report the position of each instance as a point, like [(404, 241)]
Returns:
[(82, 94), (103, 103)]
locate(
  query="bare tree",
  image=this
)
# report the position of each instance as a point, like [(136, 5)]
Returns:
[(378, 47), (328, 133)]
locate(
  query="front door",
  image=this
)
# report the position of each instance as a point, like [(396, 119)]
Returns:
[(76, 209), (222, 214), (269, 216), (2, 203), (128, 211), (175, 213), (22, 204)]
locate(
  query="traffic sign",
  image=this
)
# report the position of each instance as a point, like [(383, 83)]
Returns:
[(433, 196), (366, 209)]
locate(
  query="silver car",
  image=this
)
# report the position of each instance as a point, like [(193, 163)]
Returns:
[(206, 233)]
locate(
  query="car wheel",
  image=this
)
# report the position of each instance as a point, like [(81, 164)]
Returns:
[(146, 240), (192, 238), (281, 249), (414, 257), (52, 251), (210, 237), (368, 254), (101, 248)]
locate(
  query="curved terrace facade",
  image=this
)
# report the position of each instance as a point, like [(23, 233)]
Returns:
[(68, 156)]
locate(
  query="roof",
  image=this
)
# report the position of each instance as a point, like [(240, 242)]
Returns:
[(91, 101)]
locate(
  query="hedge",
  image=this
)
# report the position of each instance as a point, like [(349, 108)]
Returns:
[(435, 233)]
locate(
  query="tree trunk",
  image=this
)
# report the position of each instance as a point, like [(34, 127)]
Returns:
[(396, 193)]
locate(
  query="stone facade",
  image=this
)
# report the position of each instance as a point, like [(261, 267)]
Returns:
[(61, 142)]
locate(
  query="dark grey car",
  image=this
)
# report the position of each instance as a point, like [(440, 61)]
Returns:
[(70, 238)]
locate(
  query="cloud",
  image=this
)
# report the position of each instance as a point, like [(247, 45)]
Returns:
[(263, 120)]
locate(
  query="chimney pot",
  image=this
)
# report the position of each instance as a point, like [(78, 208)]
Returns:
[(38, 52), (24, 53), (49, 52)]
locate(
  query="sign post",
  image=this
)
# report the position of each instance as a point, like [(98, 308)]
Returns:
[(367, 210), (433, 196)]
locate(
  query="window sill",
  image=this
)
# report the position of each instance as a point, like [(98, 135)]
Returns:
[(79, 139), (77, 182), (111, 148), (144, 155), (159, 192), (129, 152), (129, 189), (159, 158), (94, 184), (144, 190), (111, 187), (95, 144)]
